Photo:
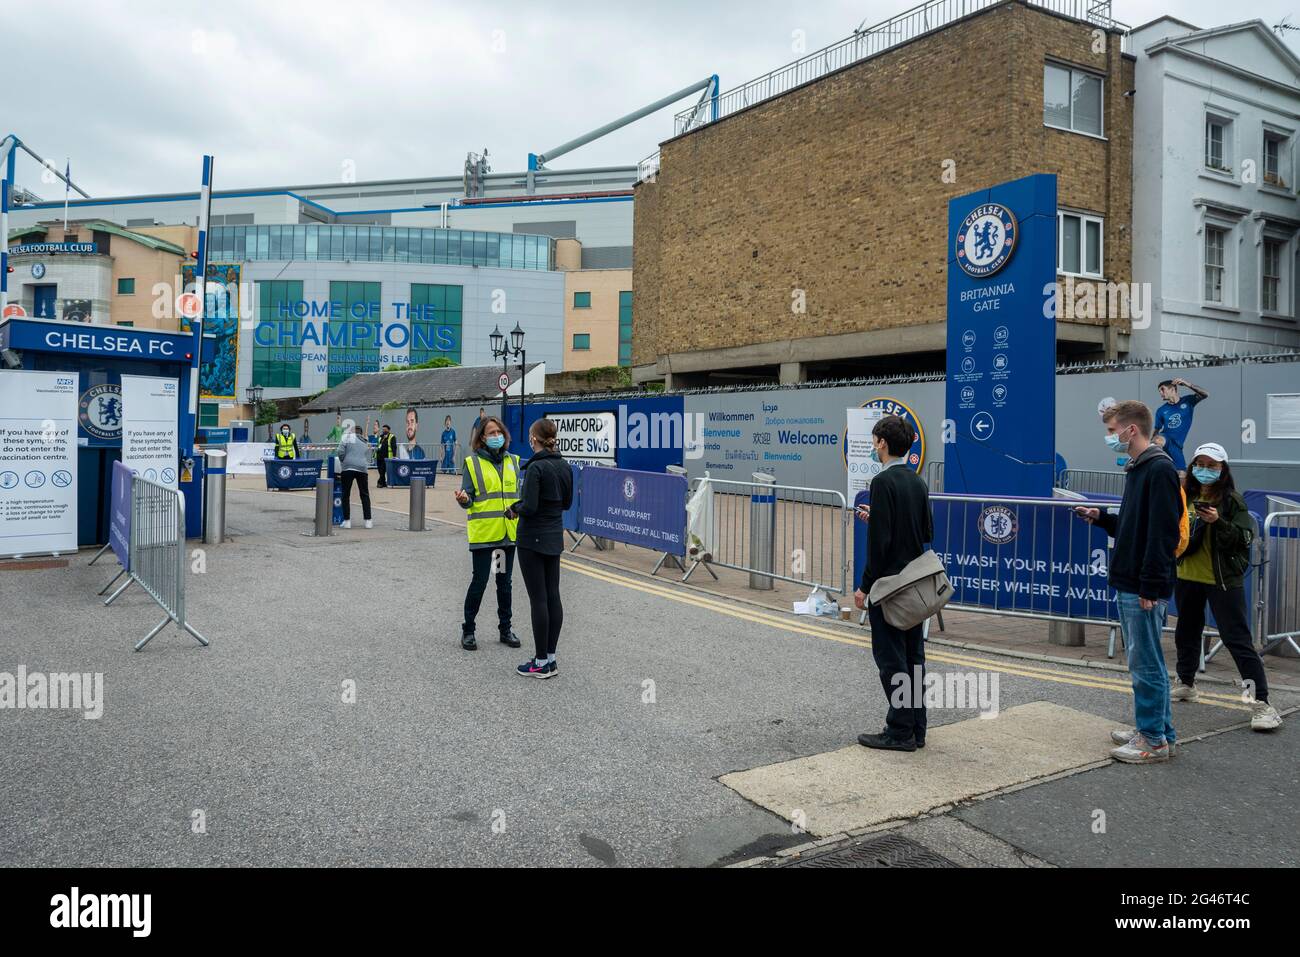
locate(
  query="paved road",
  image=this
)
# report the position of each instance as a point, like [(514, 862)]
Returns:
[(448, 757)]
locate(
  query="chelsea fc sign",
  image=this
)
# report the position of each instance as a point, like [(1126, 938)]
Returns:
[(986, 240)]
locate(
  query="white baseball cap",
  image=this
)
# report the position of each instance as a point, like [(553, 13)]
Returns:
[(1106, 403), (1212, 450)]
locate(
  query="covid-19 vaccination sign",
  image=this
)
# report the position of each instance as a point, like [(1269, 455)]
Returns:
[(150, 431), (38, 462)]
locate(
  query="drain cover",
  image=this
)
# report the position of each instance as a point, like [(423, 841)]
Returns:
[(889, 850)]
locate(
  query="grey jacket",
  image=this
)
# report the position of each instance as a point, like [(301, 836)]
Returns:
[(354, 454)]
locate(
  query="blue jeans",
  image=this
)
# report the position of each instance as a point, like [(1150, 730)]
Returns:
[(1146, 665)]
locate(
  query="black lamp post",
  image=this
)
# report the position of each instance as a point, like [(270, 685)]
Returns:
[(254, 396), (504, 353)]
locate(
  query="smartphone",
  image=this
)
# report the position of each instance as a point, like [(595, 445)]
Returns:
[(1201, 505)]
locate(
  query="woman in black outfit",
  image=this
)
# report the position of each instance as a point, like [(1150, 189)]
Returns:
[(546, 492)]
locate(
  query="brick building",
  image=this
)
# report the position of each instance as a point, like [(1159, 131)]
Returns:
[(805, 236)]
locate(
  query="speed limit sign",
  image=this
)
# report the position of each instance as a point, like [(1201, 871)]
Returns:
[(503, 382)]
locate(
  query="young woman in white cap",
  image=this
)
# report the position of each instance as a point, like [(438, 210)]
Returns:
[(1212, 571)]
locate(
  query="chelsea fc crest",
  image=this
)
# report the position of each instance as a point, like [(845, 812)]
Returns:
[(986, 239), (285, 472), (998, 524), (629, 489), (100, 411)]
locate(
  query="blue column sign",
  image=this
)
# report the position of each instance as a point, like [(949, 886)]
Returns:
[(1001, 391)]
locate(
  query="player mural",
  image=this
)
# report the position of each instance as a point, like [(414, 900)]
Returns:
[(221, 320)]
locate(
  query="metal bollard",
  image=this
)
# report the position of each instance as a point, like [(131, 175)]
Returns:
[(214, 497), (324, 505), (416, 523), (762, 531)]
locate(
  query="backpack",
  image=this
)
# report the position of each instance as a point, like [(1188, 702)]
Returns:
[(1184, 525)]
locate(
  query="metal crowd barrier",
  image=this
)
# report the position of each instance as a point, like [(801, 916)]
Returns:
[(1093, 482), (934, 476), (807, 529), (1278, 605), (157, 553)]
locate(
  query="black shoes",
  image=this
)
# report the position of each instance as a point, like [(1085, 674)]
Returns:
[(467, 641), (884, 742), (508, 638)]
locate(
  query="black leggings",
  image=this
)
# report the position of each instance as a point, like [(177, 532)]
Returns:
[(363, 483), (541, 575), (1229, 607)]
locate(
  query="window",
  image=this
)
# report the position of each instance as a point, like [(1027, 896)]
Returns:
[(1072, 99), (436, 313), (1217, 143), (126, 323), (278, 365), (1078, 244), (209, 415), (126, 287), (1274, 151), (1216, 241), (582, 300), (581, 341), (625, 328), (358, 351), (1270, 287)]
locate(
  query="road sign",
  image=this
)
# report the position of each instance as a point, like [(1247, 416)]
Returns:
[(14, 311), (503, 382), (188, 305)]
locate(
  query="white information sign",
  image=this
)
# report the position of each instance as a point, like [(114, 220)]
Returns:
[(38, 462), (857, 449), (589, 437), (150, 430)]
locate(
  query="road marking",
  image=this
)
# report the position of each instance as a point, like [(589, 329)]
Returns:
[(1120, 685)]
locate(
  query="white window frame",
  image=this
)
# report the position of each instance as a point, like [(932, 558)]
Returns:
[(1226, 122), (1227, 278), (1070, 71), (1283, 307), (1283, 140), (1084, 220)]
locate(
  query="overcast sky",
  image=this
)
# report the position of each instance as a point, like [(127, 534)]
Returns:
[(292, 92)]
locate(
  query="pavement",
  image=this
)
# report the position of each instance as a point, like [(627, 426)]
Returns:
[(335, 720)]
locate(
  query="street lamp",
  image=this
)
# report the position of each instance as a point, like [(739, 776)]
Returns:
[(503, 352), (254, 395)]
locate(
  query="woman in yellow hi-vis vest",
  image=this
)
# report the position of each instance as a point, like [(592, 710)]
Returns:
[(489, 487)]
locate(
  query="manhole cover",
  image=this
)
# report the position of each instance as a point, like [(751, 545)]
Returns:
[(889, 850)]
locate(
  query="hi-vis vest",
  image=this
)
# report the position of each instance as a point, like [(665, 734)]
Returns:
[(494, 492), (283, 446)]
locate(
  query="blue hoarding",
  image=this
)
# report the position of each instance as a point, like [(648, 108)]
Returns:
[(1001, 343), (638, 508), (292, 473), (119, 516), (401, 471), (649, 432)]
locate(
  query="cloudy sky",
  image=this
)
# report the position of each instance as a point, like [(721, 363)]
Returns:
[(293, 92)]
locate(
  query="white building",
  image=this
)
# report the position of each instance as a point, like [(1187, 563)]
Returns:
[(1215, 211)]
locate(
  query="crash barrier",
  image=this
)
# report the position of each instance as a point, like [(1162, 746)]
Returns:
[(1093, 482), (933, 476), (637, 508), (292, 473), (783, 532), (147, 535), (400, 472), (1278, 619)]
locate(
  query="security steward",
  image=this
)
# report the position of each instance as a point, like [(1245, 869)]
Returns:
[(286, 445), (384, 449), (489, 489)]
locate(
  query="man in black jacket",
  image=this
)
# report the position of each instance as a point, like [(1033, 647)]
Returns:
[(901, 523), (1142, 572), (385, 449)]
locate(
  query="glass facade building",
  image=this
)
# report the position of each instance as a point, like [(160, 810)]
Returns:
[(390, 244)]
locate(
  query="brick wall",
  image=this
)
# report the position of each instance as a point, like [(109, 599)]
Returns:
[(837, 188)]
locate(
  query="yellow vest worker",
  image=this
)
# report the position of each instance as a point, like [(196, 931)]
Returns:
[(495, 490), (286, 445)]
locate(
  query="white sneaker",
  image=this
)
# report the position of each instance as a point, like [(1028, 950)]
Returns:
[(1182, 692), (1126, 735), (1140, 751), (346, 524), (1264, 717), (369, 523)]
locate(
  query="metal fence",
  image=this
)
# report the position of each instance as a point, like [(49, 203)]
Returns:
[(867, 42), (934, 477), (1093, 482), (783, 532), (1278, 605), (157, 553)]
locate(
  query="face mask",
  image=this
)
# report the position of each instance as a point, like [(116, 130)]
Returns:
[(874, 456), (284, 431), (495, 442), (1113, 441), (1205, 476)]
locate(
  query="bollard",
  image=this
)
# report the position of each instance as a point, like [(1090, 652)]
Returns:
[(324, 505), (1069, 633), (762, 531), (214, 497), (416, 523)]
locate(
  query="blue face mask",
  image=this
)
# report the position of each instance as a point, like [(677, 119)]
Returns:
[(1112, 440), (495, 442), (1205, 476)]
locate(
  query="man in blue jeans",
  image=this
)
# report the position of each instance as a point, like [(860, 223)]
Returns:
[(1142, 572)]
